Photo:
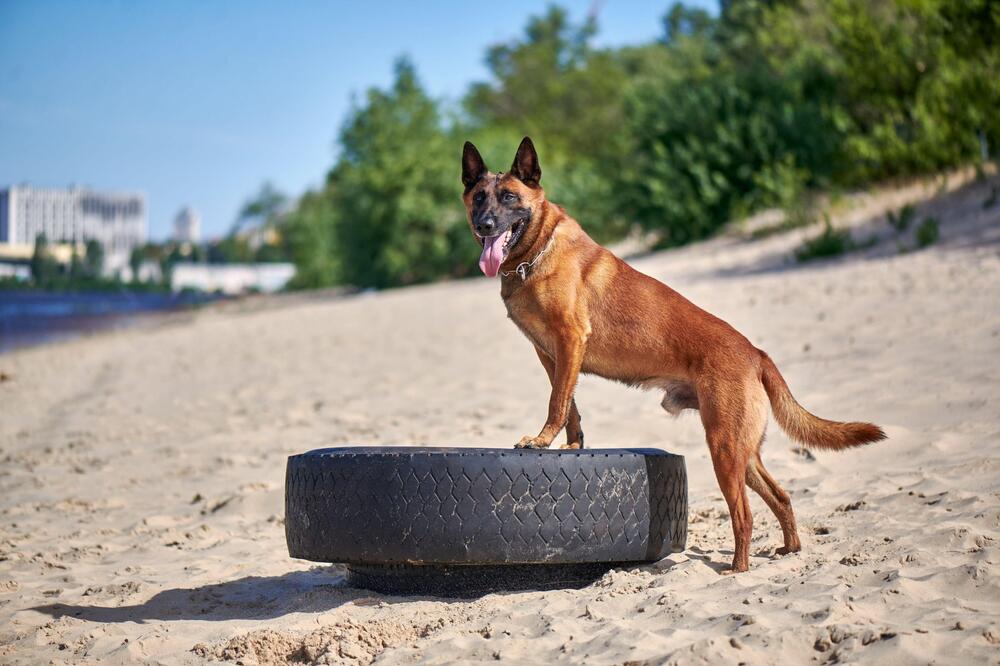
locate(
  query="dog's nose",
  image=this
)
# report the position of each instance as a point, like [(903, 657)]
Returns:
[(485, 226)]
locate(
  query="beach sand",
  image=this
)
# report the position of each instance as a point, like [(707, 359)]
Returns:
[(141, 492)]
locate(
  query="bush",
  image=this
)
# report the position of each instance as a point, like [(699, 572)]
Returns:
[(928, 232), (710, 148), (831, 243), (901, 221)]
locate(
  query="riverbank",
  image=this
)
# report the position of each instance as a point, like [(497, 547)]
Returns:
[(33, 317)]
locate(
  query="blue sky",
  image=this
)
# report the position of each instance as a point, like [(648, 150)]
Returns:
[(198, 103)]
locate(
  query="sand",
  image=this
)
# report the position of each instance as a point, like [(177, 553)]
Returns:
[(142, 470)]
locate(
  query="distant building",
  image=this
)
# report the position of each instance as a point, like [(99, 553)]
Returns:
[(149, 271), (74, 216), (231, 278), (187, 226)]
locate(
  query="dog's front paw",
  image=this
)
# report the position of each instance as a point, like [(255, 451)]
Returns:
[(528, 442)]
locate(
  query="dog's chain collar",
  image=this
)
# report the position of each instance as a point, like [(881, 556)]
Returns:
[(522, 268)]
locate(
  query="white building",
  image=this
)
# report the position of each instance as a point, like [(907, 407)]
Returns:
[(116, 220), (231, 278), (187, 226)]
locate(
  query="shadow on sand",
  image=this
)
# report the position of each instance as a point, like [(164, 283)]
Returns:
[(317, 590), (253, 597)]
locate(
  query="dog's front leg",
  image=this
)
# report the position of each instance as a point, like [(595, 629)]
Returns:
[(568, 358), (574, 430)]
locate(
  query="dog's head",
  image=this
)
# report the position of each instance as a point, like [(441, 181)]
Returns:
[(501, 206)]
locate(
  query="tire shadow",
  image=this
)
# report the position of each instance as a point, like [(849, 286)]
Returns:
[(316, 590)]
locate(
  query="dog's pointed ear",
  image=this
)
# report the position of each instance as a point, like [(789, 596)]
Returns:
[(473, 167), (525, 166)]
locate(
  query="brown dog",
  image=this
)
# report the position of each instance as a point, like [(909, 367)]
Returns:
[(585, 310)]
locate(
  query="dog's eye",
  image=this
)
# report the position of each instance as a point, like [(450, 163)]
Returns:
[(509, 197), (479, 196)]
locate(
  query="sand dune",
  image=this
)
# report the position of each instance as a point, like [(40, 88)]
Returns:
[(142, 470)]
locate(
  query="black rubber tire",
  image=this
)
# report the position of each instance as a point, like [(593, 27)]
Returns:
[(471, 580), (455, 506)]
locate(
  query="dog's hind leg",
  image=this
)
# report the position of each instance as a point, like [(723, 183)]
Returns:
[(761, 482), (574, 430), (734, 420)]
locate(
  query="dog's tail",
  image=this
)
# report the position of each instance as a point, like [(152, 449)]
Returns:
[(807, 428)]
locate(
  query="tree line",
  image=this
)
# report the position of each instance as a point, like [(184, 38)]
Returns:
[(757, 106)]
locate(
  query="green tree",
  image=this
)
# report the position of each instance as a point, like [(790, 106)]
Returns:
[(721, 116), (777, 97), (94, 259), (682, 21), (262, 209), (198, 254), (311, 238), (44, 267), (544, 85), (76, 270), (553, 85), (920, 80), (230, 250), (396, 190), (135, 260), (264, 212), (913, 83)]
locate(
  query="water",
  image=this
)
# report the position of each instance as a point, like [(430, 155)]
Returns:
[(30, 318)]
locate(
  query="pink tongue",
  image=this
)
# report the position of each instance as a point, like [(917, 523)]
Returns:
[(493, 254)]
